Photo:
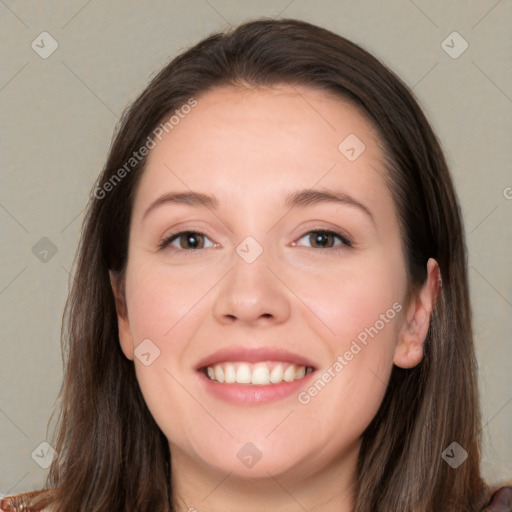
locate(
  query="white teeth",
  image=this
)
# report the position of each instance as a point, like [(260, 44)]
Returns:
[(289, 373), (229, 374), (276, 375), (259, 374), (300, 372), (219, 373), (243, 374)]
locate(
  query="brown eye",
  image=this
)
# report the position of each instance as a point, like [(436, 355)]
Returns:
[(319, 238), (191, 240), (325, 239), (187, 241)]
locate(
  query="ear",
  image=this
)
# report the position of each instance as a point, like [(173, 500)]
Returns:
[(123, 325), (409, 350)]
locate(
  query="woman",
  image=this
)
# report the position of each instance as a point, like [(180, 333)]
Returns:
[(215, 360)]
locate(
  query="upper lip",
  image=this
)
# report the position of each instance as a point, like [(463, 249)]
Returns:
[(253, 355)]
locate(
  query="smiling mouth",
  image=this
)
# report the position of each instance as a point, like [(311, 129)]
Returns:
[(257, 374)]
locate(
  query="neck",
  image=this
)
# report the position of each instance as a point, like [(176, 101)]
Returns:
[(198, 487)]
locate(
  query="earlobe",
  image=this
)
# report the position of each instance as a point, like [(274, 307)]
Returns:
[(409, 349), (123, 325)]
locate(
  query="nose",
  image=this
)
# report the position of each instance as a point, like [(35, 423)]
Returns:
[(252, 293)]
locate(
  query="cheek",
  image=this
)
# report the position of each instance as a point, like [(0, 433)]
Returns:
[(354, 298), (159, 298), (165, 306), (350, 390), (361, 306)]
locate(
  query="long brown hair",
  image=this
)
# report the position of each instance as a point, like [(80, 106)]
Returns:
[(112, 455)]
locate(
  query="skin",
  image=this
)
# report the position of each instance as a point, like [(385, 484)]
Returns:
[(250, 147)]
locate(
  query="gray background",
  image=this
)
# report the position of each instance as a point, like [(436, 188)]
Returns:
[(57, 120)]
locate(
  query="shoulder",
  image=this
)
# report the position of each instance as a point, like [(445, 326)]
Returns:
[(34, 501), (501, 500)]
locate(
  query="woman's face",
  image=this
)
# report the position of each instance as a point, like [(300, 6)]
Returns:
[(294, 257)]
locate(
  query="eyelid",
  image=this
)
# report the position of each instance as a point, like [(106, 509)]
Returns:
[(346, 241), (168, 239)]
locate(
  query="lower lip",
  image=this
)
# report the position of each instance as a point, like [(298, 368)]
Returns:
[(252, 394)]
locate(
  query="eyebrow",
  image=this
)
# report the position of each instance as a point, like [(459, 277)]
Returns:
[(297, 199), (307, 197)]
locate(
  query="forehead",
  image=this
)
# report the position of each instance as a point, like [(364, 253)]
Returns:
[(244, 142)]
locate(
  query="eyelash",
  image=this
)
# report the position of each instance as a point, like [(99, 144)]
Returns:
[(346, 243)]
